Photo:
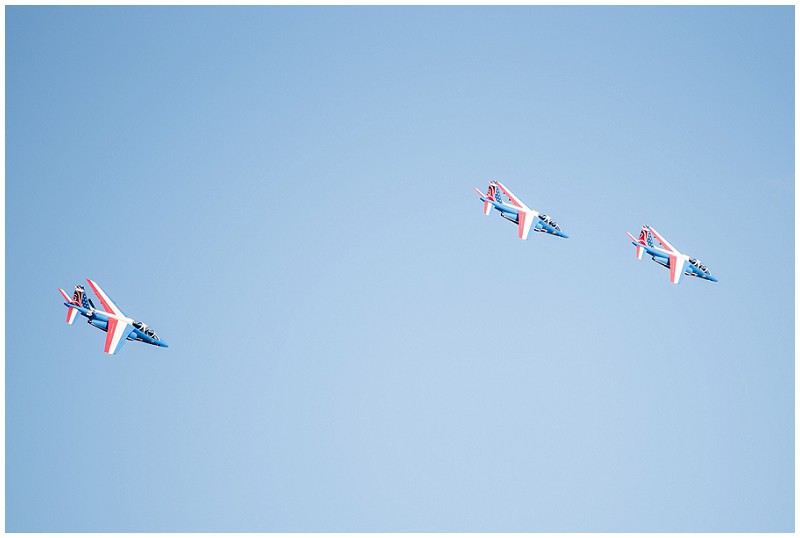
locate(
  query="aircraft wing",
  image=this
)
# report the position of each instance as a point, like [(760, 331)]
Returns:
[(117, 334), (525, 221), (514, 200), (677, 265), (664, 242), (108, 304)]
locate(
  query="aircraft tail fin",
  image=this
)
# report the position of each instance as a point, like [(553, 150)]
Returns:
[(646, 237), (79, 299), (493, 194), (487, 207), (640, 243), (71, 312)]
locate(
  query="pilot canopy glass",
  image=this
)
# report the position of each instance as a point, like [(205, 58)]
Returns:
[(145, 329), (550, 222), (697, 263)]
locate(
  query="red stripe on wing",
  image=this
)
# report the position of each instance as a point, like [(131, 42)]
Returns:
[(663, 241), (112, 326), (511, 197), (106, 306)]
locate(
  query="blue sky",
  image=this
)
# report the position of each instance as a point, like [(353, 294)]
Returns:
[(285, 194)]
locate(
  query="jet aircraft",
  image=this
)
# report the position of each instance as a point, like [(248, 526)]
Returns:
[(112, 320), (668, 256), (517, 212)]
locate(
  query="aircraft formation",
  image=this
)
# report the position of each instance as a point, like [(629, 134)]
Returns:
[(120, 328), (650, 241)]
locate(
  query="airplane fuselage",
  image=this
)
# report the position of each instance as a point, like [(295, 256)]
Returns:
[(99, 319), (503, 208), (661, 257), (511, 213)]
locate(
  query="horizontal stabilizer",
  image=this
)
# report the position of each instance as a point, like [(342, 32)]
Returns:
[(487, 198), (71, 311), (639, 246)]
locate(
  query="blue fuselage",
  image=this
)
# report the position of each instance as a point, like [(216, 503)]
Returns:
[(511, 213), (98, 319), (663, 259)]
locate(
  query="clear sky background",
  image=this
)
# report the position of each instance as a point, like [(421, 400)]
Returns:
[(285, 194)]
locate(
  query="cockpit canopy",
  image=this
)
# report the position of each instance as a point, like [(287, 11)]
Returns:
[(550, 221), (697, 263), (146, 330)]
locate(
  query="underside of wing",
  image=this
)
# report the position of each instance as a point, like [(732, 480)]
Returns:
[(117, 334), (108, 304), (525, 221), (663, 241), (514, 200), (676, 268)]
